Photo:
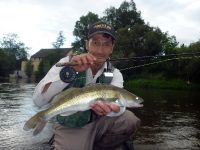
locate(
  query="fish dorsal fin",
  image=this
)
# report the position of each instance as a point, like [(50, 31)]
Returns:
[(63, 94)]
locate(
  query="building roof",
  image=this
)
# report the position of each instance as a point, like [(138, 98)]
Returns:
[(44, 52)]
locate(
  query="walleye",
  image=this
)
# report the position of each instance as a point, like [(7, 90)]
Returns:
[(73, 100)]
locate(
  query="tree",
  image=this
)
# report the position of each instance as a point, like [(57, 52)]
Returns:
[(124, 16), (59, 41), (7, 63), (192, 68), (13, 52), (14, 48), (134, 37), (81, 30)]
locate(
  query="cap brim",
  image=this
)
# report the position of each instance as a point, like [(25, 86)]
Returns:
[(102, 32)]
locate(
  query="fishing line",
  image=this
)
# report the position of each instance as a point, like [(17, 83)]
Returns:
[(154, 57), (143, 65)]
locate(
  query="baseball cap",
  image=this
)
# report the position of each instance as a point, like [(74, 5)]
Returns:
[(101, 27)]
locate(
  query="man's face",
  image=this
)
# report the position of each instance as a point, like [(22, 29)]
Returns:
[(100, 45)]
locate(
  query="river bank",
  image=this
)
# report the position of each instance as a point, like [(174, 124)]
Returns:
[(151, 83)]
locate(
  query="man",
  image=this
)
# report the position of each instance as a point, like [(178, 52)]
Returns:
[(93, 129)]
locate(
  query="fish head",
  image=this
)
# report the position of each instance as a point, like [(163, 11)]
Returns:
[(131, 100), (134, 103)]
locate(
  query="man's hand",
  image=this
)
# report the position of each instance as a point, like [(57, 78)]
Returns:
[(102, 108), (84, 61)]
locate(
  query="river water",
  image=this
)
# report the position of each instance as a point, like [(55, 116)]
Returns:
[(15, 108), (170, 119)]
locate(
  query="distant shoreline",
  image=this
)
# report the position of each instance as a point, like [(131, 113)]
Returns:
[(174, 84)]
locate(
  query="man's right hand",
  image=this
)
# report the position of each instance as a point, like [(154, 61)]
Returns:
[(83, 61)]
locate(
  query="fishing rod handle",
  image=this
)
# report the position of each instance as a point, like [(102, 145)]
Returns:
[(66, 64), (98, 61)]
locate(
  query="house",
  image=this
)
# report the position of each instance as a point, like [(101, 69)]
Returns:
[(37, 57)]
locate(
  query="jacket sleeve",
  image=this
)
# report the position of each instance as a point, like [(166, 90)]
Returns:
[(56, 85), (117, 78)]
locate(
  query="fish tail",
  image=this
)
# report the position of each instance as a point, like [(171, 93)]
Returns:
[(36, 122)]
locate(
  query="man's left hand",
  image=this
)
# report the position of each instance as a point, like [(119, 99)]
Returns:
[(102, 108)]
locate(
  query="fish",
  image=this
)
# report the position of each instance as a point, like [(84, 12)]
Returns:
[(73, 100)]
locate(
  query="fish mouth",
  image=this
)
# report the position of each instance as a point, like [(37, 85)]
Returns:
[(136, 103), (138, 106)]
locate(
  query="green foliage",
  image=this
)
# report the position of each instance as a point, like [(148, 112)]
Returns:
[(186, 69), (59, 41), (142, 40), (161, 84), (194, 47), (123, 17), (13, 52), (7, 63), (81, 30), (12, 46), (169, 43)]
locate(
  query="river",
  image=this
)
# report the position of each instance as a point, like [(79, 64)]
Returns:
[(15, 108), (170, 119)]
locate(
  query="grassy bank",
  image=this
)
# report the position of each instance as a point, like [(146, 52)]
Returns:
[(161, 84)]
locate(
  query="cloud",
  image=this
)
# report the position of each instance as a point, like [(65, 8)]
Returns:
[(37, 22), (178, 17)]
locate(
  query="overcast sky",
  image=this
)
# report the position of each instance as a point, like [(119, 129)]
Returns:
[(37, 22)]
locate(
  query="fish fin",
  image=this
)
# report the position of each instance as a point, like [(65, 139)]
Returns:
[(40, 125), (36, 122)]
